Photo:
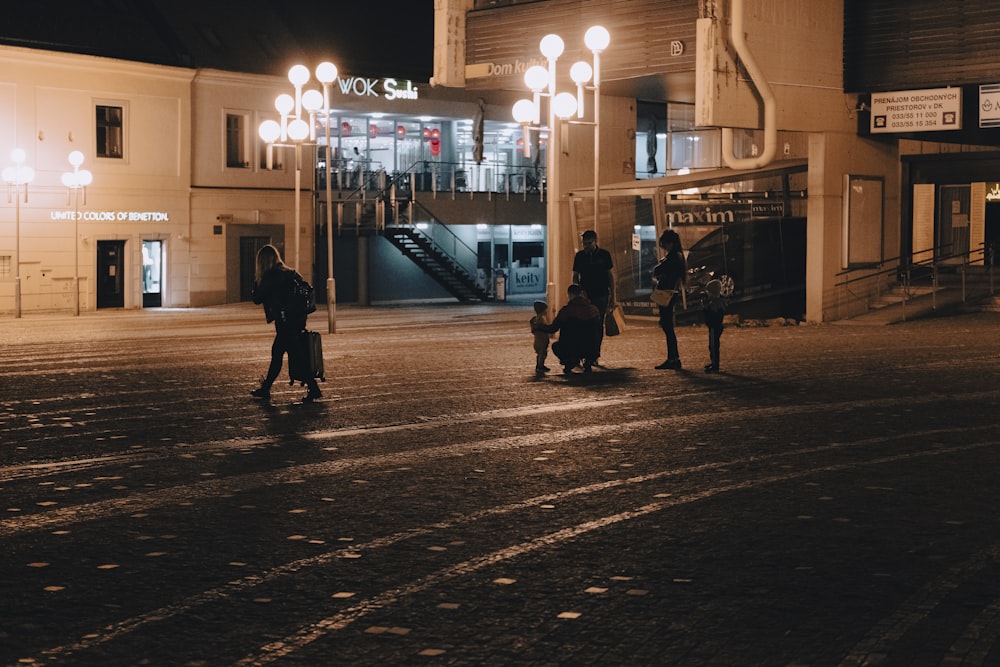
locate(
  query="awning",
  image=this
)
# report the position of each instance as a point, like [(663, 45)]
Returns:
[(653, 187)]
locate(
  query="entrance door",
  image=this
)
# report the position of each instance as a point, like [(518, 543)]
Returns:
[(992, 233), (110, 274), (152, 274), (953, 221), (249, 245)]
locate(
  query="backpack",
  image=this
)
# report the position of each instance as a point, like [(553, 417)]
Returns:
[(300, 300)]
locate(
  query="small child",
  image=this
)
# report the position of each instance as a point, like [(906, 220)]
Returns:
[(539, 327), (714, 308)]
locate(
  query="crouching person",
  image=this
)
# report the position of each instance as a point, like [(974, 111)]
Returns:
[(579, 327)]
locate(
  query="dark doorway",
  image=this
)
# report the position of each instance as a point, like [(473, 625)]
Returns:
[(992, 233), (110, 274), (152, 274), (249, 245)]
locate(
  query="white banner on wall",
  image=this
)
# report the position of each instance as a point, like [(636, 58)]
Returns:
[(989, 105), (917, 110)]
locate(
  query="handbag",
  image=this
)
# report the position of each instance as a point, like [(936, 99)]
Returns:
[(662, 297), (614, 322)]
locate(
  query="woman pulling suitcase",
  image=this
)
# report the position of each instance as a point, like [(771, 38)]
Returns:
[(273, 288)]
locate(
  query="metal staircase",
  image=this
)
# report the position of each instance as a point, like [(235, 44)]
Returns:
[(429, 244), (435, 262)]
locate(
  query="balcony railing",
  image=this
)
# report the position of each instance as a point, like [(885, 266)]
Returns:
[(366, 179)]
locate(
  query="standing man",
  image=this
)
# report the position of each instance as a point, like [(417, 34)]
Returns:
[(592, 270)]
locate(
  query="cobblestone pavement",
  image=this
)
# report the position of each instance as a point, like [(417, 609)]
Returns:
[(828, 499)]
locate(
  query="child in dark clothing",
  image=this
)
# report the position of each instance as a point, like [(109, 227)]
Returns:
[(714, 308), (540, 330)]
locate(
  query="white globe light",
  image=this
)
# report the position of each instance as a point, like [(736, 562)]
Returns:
[(84, 177), (17, 155), (564, 105), (9, 174), (326, 72), (552, 46), (27, 174), (298, 130), (312, 100), (284, 103), (536, 78), (298, 75), (524, 111), (597, 38), (68, 179), (269, 131), (580, 72), (76, 158)]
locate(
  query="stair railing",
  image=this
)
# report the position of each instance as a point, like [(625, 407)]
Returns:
[(907, 275)]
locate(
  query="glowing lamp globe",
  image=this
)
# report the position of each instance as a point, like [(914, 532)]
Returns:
[(564, 105), (269, 131), (312, 100), (524, 111), (581, 72), (298, 75), (536, 78), (326, 72), (298, 130), (284, 103), (552, 46), (597, 38)]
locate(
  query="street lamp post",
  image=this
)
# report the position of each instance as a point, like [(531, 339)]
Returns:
[(16, 176), (77, 181), (294, 127), (542, 81)]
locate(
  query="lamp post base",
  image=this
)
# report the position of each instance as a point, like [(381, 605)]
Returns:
[(331, 305)]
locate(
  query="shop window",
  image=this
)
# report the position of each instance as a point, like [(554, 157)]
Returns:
[(110, 131), (529, 254), (237, 141), (700, 149), (5, 264)]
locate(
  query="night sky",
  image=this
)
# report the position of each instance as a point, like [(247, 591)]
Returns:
[(385, 38)]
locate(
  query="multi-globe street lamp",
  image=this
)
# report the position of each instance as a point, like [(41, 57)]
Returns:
[(77, 182), (17, 176), (542, 81), (295, 128)]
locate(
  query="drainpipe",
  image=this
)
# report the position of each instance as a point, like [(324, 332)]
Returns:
[(737, 38)]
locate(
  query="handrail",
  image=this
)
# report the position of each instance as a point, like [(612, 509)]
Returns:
[(443, 238), (905, 274), (439, 176)]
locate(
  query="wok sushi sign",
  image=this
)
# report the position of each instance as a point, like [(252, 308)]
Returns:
[(917, 110)]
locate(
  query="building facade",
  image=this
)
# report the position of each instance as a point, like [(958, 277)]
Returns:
[(182, 194), (786, 85)]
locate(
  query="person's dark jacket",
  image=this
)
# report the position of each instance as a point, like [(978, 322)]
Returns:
[(579, 327), (273, 290)]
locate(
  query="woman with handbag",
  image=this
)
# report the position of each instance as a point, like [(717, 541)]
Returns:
[(670, 276)]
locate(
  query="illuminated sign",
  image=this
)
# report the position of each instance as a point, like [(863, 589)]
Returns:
[(512, 68), (993, 194), (111, 216), (917, 110), (390, 89)]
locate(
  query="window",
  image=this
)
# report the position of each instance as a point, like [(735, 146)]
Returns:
[(863, 213), (6, 261), (110, 131), (237, 144)]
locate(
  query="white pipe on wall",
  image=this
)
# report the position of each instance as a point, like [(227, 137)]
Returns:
[(737, 37)]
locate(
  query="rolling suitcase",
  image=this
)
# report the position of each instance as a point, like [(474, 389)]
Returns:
[(305, 359)]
